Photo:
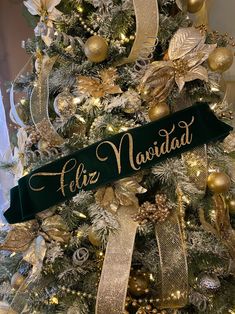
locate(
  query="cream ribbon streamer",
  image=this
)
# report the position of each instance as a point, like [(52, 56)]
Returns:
[(39, 103), (117, 263), (173, 262), (147, 25)]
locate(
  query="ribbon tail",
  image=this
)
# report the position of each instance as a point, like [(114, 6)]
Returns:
[(117, 263), (173, 261)]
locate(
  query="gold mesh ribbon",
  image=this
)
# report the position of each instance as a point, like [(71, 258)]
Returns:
[(117, 263), (147, 24), (173, 261), (39, 103)]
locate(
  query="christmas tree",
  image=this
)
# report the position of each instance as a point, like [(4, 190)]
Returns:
[(123, 162)]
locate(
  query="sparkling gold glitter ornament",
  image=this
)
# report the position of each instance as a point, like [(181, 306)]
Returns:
[(93, 238), (221, 59), (138, 284), (64, 105), (56, 229), (231, 206), (5, 308), (158, 111), (96, 49), (193, 6), (17, 280), (218, 182)]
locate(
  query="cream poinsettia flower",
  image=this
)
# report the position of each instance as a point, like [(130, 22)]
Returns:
[(48, 13), (187, 51)]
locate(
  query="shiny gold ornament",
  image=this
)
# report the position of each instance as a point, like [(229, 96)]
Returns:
[(5, 308), (93, 238), (218, 182), (20, 236), (56, 229), (99, 87), (43, 145), (193, 6), (96, 49), (64, 105), (221, 59), (138, 284), (231, 206), (54, 300), (158, 111), (17, 280)]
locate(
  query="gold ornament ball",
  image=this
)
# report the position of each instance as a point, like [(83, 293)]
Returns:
[(231, 206), (138, 285), (158, 111), (93, 238), (193, 6), (96, 49), (64, 105), (221, 59), (218, 182), (17, 280), (5, 308)]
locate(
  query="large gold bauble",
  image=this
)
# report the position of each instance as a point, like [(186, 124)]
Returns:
[(93, 238), (17, 280), (221, 59), (231, 206), (6, 309), (218, 182), (158, 111), (138, 284), (193, 6), (96, 49)]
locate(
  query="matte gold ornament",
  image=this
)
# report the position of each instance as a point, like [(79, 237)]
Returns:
[(158, 111), (231, 206), (5, 308), (17, 280), (64, 105), (99, 87), (93, 238), (187, 51), (56, 229), (138, 284), (219, 182), (20, 236), (193, 6), (221, 59), (96, 49)]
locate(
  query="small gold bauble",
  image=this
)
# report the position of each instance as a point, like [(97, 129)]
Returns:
[(17, 280), (93, 238), (43, 145), (231, 206), (221, 59), (64, 105), (5, 308), (138, 284), (218, 182), (96, 49), (193, 6), (158, 111)]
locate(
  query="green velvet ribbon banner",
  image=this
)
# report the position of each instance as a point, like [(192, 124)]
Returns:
[(112, 159)]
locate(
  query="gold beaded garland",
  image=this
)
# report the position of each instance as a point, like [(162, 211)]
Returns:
[(193, 6), (96, 49), (17, 280), (218, 182), (221, 59), (158, 111)]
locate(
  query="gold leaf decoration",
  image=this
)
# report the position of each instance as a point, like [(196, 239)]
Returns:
[(20, 236), (56, 229), (99, 87), (187, 51)]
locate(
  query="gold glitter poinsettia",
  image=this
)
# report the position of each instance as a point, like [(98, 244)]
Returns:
[(99, 88), (187, 51)]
